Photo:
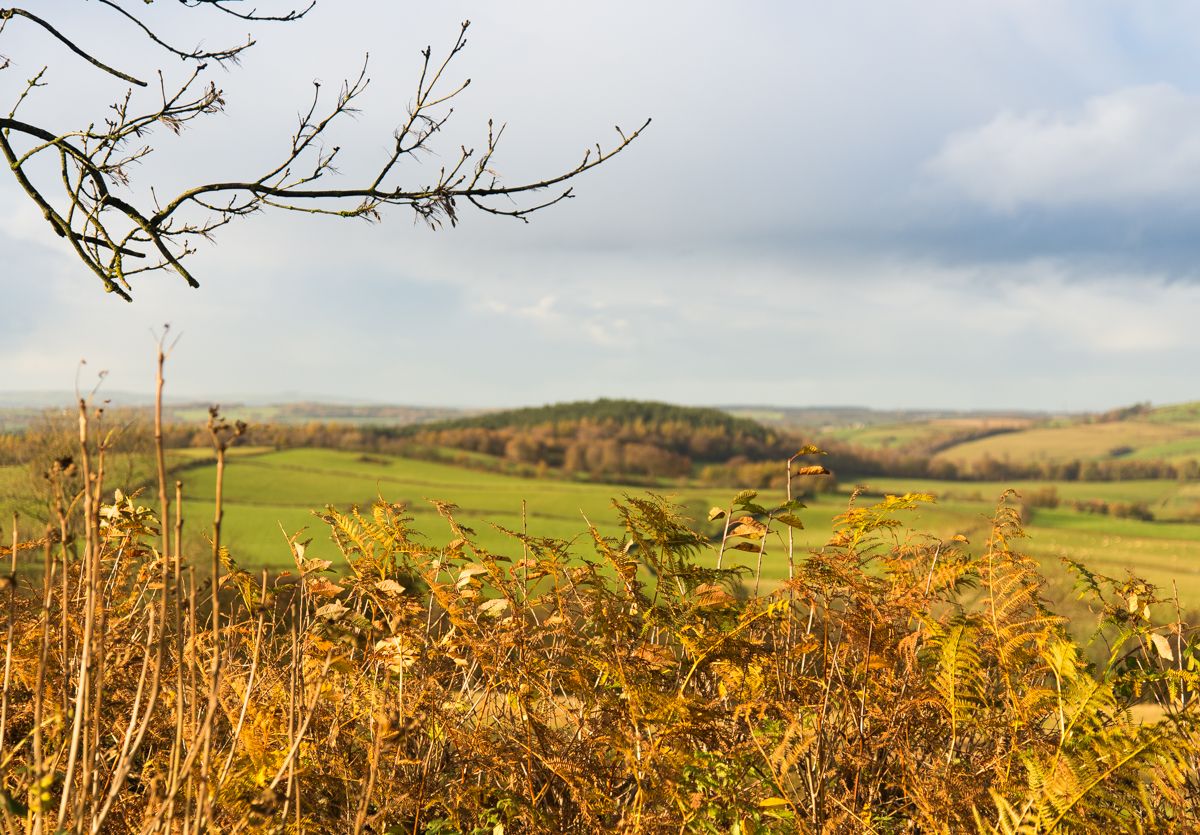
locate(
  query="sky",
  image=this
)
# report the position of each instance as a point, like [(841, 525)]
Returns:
[(918, 203)]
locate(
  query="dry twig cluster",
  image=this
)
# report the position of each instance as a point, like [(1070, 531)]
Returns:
[(81, 179)]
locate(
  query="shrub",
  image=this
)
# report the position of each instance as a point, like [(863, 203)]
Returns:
[(894, 683)]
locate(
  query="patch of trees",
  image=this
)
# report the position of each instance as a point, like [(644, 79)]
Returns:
[(608, 438), (932, 446), (598, 449), (1137, 410), (621, 411)]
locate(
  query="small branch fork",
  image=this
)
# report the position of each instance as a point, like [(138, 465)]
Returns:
[(117, 238)]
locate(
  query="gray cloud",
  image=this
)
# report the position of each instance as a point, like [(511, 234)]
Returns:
[(780, 234), (1133, 147)]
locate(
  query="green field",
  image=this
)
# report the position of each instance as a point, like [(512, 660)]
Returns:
[(901, 435), (1149, 439), (1168, 499), (268, 493), (1165, 552), (267, 490)]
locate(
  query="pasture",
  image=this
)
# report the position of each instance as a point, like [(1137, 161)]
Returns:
[(915, 433), (268, 493), (1143, 439), (268, 490)]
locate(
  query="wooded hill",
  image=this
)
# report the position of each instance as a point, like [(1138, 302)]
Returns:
[(608, 437), (645, 442)]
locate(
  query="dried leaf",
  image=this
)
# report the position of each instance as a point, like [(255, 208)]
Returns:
[(323, 588), (712, 595), (655, 655), (1162, 646), (467, 573), (493, 607), (396, 652), (748, 526), (814, 470), (332, 611), (315, 565), (715, 514)]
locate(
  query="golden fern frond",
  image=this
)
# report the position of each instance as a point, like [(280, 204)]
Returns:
[(1014, 616), (959, 674), (347, 533), (858, 523), (1009, 820), (1099, 778)]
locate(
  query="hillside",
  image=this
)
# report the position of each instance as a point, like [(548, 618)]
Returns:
[(851, 419), (1169, 434), (606, 438), (647, 441), (604, 410)]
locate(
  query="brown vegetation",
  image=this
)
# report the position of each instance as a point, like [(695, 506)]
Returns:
[(893, 683)]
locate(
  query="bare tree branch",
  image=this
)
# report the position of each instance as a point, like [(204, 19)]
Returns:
[(5, 14), (94, 209)]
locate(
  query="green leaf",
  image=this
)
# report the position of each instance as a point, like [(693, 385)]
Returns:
[(745, 496)]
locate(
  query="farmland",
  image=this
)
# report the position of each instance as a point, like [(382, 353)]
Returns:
[(269, 493), (1149, 439), (265, 491)]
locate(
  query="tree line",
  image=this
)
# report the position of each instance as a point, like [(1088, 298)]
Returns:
[(630, 441)]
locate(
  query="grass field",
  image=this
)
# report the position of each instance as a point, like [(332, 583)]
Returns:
[(267, 493), (282, 488), (267, 490), (1163, 551), (1169, 499), (1149, 439), (901, 435)]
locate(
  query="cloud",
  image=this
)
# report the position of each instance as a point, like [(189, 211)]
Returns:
[(772, 237), (592, 321), (1134, 146)]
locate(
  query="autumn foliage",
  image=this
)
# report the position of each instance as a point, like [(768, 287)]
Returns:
[(895, 683)]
